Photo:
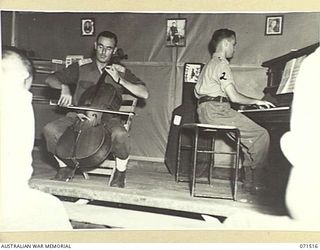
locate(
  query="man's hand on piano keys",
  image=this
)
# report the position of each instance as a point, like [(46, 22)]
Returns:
[(264, 104)]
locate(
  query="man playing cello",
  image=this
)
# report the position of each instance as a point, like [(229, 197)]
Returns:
[(85, 75)]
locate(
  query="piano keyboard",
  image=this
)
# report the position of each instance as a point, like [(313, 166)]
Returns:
[(264, 110)]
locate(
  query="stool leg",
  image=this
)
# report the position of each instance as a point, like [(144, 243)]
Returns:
[(213, 142), (178, 157), (237, 134), (194, 166)]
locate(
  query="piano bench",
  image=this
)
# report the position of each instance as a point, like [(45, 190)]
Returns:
[(211, 130)]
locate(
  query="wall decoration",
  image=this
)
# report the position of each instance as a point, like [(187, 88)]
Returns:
[(87, 26), (191, 72), (70, 59), (274, 25), (176, 32)]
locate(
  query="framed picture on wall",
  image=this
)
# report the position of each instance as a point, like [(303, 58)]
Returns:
[(87, 26), (191, 72), (274, 25), (176, 32)]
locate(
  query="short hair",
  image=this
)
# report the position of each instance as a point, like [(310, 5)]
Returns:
[(108, 34), (8, 51), (217, 36)]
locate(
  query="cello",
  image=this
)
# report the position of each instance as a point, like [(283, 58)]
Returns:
[(84, 145)]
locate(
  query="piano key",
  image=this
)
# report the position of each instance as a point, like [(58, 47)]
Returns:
[(264, 110)]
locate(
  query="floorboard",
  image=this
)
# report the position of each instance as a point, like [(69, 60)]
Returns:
[(149, 185)]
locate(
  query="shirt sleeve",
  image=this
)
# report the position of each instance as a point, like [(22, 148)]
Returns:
[(130, 77), (224, 76), (68, 75)]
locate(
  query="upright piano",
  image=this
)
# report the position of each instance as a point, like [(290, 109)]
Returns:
[(277, 120), (278, 117)]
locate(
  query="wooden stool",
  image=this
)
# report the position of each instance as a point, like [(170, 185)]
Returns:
[(196, 128)]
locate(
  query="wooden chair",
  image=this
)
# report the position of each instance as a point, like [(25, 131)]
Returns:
[(107, 167)]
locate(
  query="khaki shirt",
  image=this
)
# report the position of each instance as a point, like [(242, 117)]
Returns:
[(214, 78), (87, 74)]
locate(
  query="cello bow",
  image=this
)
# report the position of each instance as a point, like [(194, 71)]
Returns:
[(55, 103)]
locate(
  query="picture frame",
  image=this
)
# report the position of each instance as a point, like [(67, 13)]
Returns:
[(176, 32), (87, 27), (274, 25), (191, 72)]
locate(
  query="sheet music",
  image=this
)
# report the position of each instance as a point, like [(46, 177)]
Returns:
[(289, 75)]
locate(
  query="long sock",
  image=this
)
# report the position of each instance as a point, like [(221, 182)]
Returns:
[(121, 165)]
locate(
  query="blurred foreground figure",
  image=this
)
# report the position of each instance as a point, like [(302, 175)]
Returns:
[(22, 208), (300, 145)]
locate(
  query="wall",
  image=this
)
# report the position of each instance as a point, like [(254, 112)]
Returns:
[(6, 27), (142, 36)]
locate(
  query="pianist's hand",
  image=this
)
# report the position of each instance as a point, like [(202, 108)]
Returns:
[(264, 104)]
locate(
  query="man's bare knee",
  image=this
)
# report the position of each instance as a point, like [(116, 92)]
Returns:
[(119, 134)]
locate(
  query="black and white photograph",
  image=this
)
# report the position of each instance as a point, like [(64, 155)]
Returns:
[(87, 27), (192, 72), (111, 130), (176, 32), (274, 25)]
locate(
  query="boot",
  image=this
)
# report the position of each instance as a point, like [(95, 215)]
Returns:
[(248, 179), (65, 174), (118, 179)]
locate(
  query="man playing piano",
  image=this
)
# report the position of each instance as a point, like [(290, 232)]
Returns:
[(84, 75), (215, 91)]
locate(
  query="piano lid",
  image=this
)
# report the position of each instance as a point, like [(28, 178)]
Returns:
[(293, 54), (276, 68)]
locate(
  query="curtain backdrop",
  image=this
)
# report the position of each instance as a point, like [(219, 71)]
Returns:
[(142, 36)]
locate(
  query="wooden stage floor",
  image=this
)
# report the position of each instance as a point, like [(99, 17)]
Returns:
[(150, 189)]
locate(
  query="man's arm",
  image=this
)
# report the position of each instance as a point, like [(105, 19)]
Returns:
[(138, 90), (237, 97), (129, 81), (61, 80), (227, 83)]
